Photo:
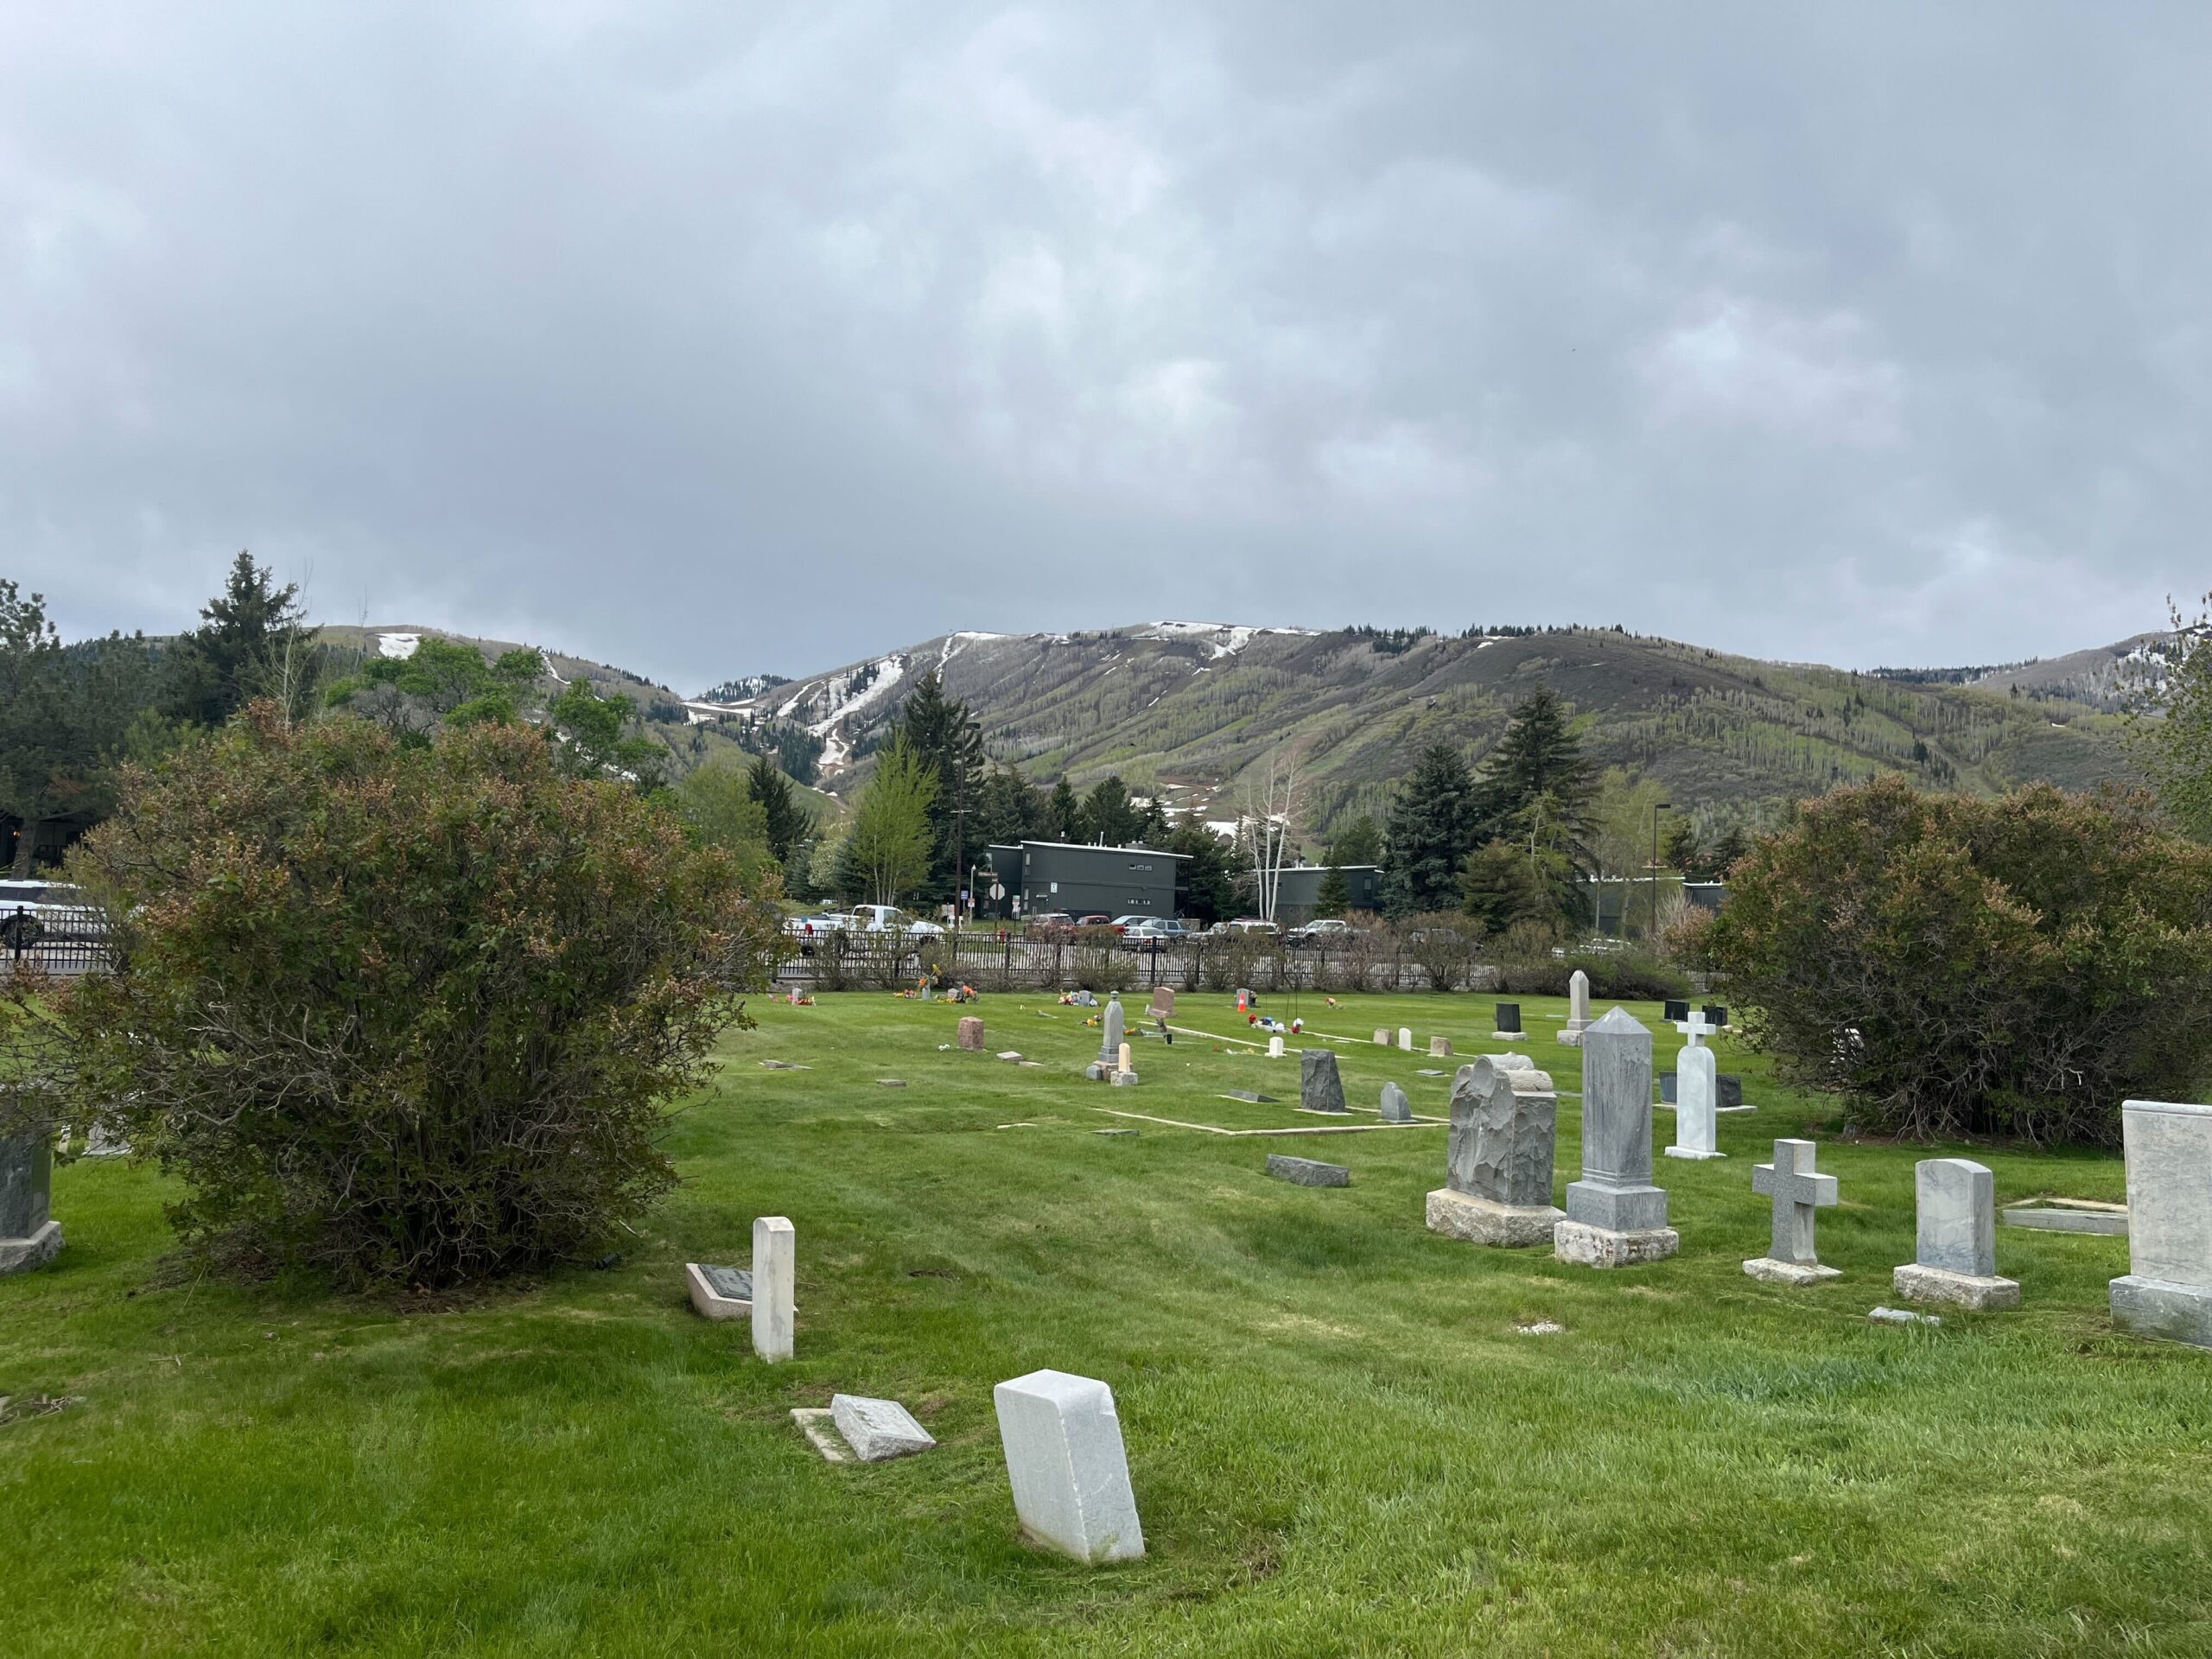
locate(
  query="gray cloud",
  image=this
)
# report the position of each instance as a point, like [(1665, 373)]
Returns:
[(713, 340)]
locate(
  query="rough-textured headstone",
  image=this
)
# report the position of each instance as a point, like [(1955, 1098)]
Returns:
[(1406, 1039), (1955, 1254), (719, 1293), (1578, 1008), (1798, 1193), (1381, 1037), (1396, 1107), (1498, 1178), (1615, 1216), (877, 1429), (971, 1033), (1901, 1316), (1320, 1088), (775, 1271), (1307, 1172), (1115, 1023), (2167, 1290), (1509, 1023), (30, 1237), (1069, 1470), (1697, 1124), (1439, 1048)]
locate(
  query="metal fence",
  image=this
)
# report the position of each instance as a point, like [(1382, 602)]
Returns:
[(992, 962), (64, 940)]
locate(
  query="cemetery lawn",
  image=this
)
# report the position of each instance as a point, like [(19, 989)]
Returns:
[(1340, 1439)]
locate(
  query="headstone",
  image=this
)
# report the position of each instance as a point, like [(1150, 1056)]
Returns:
[(30, 1237), (971, 1033), (877, 1429), (1396, 1107), (1615, 1216), (1497, 1179), (1439, 1048), (1406, 1039), (774, 1281), (1114, 1024), (1125, 1073), (1275, 1048), (1955, 1257), (1676, 1010), (2167, 1290), (1695, 1026), (1381, 1037), (1070, 1473), (1578, 1009), (1798, 1194), (719, 1293), (1697, 1123), (1509, 1023), (2068, 1215), (1307, 1172), (1163, 1002), (1319, 1089), (1716, 1014)]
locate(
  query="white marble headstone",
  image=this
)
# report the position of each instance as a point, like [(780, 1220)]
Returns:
[(1066, 1460)]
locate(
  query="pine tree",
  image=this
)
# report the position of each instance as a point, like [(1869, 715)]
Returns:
[(1432, 830), (1108, 818), (946, 740), (786, 821), (1538, 759), (253, 640), (1359, 842), (1064, 813), (1209, 884)]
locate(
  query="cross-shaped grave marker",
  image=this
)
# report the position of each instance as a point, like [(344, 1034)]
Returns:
[(1797, 1194), (1696, 1026)]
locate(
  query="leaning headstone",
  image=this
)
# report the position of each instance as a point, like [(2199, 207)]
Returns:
[(1578, 1009), (1439, 1048), (719, 1293), (1497, 1179), (1406, 1039), (774, 1281), (1955, 1254), (30, 1237), (1320, 1088), (1163, 1002), (1070, 1473), (1509, 1024), (1307, 1172), (877, 1429), (2167, 1290), (1395, 1108), (1381, 1037), (1697, 1122), (1798, 1194), (971, 1033), (1615, 1216)]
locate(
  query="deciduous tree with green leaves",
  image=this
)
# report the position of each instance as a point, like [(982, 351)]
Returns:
[(2174, 746), (889, 847)]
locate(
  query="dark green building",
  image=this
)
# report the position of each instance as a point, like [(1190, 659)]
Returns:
[(1046, 876), (1298, 890)]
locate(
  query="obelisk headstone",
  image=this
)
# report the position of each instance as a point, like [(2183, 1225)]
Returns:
[(1497, 1181), (1615, 1216), (1113, 1028), (1578, 1009)]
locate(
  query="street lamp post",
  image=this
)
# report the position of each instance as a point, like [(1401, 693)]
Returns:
[(1651, 938)]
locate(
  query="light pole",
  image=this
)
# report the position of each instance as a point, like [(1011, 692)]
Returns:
[(1651, 938)]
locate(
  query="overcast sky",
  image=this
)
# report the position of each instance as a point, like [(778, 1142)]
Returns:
[(706, 339)]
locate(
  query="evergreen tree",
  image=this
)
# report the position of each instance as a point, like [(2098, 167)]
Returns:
[(784, 820), (253, 640), (1359, 842), (1684, 854), (1432, 830), (1152, 823), (1108, 817), (1539, 758), (1335, 893), (1010, 810), (947, 740), (1727, 852), (1064, 813), (1210, 881)]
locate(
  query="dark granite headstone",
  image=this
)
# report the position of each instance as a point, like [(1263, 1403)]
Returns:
[(1677, 1009), (1319, 1089), (1731, 1090), (1716, 1014), (735, 1283), (1667, 1087), (1307, 1172), (1508, 1017)]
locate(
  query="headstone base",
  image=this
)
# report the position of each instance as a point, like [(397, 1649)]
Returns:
[(711, 1303), (1125, 1079), (1572, 1037), (1775, 1272), (1692, 1152), (1600, 1246), (1918, 1284), (2160, 1307), (1510, 1036), (1481, 1221), (22, 1254), (2050, 1219)]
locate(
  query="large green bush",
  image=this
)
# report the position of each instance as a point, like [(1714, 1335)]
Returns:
[(1962, 967), (403, 1012)]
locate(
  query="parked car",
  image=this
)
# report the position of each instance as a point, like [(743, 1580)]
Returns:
[(1243, 924), (889, 919), (1328, 931), (31, 912), (1149, 932), (1051, 924), (1096, 919)]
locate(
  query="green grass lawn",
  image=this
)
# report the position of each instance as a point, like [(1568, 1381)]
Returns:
[(1340, 1441)]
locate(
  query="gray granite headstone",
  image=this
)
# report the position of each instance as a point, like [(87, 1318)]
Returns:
[(1501, 1143), (1957, 1229), (1307, 1172), (1616, 1192), (1116, 1024), (1395, 1108), (2167, 1290), (1798, 1194), (30, 1237), (735, 1283), (1320, 1088)]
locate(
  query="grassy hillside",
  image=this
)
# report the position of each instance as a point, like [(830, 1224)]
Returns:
[(1187, 709)]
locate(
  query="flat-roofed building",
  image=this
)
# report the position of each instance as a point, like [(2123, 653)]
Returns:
[(1046, 876), (1298, 894)]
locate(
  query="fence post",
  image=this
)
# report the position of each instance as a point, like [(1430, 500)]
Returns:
[(1155, 962)]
